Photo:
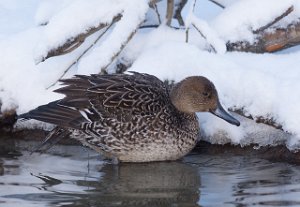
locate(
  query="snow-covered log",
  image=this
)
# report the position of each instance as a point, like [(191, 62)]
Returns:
[(270, 40)]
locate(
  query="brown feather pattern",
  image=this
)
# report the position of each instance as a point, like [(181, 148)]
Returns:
[(127, 116)]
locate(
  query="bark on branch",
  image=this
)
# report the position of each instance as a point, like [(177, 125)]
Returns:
[(75, 42), (271, 40), (178, 8), (170, 10), (277, 19), (80, 56)]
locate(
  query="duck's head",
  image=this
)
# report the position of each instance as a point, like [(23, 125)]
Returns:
[(198, 94)]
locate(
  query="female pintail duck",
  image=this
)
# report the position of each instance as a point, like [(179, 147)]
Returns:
[(132, 117)]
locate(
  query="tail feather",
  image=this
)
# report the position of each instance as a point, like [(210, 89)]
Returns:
[(51, 139), (57, 114)]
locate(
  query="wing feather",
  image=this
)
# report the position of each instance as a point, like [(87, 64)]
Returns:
[(113, 96)]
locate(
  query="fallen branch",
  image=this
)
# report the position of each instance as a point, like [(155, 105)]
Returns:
[(287, 12), (270, 41), (75, 42), (80, 56)]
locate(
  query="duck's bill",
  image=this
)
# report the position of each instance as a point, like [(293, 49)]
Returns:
[(221, 113)]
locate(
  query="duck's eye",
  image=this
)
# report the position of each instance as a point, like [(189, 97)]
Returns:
[(206, 94)]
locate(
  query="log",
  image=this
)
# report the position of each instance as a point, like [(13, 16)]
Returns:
[(270, 41), (270, 38)]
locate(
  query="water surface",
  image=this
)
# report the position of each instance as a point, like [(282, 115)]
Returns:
[(76, 176)]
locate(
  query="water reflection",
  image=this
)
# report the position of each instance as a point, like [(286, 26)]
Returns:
[(151, 184), (74, 176), (82, 179), (247, 181)]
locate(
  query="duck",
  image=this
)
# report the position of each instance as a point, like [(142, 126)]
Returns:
[(131, 117)]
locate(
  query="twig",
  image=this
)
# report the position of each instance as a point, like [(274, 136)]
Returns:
[(177, 14), (157, 25), (217, 3), (149, 26), (287, 12), (188, 28), (170, 10), (194, 5), (211, 46), (268, 121), (80, 56), (187, 35), (103, 69), (157, 13), (75, 42)]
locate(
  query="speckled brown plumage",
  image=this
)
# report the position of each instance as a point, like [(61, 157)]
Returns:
[(131, 117)]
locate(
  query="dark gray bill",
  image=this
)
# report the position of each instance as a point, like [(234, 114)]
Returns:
[(221, 113)]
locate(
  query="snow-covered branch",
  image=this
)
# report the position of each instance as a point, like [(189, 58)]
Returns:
[(74, 42), (277, 19), (270, 41)]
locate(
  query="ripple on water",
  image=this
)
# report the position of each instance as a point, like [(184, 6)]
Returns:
[(75, 176)]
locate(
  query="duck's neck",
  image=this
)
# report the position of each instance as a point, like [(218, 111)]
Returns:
[(178, 99)]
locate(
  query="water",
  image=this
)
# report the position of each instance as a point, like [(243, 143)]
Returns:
[(75, 176)]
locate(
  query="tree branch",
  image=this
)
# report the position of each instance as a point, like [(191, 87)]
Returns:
[(75, 42), (188, 28), (270, 41), (170, 10), (217, 3), (210, 45), (178, 8), (80, 56), (103, 69), (287, 12), (157, 13)]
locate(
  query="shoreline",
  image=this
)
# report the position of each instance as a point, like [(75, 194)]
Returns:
[(278, 153)]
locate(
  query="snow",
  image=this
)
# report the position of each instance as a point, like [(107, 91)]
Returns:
[(261, 84), (133, 16), (259, 87), (238, 20), (62, 27), (215, 43)]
